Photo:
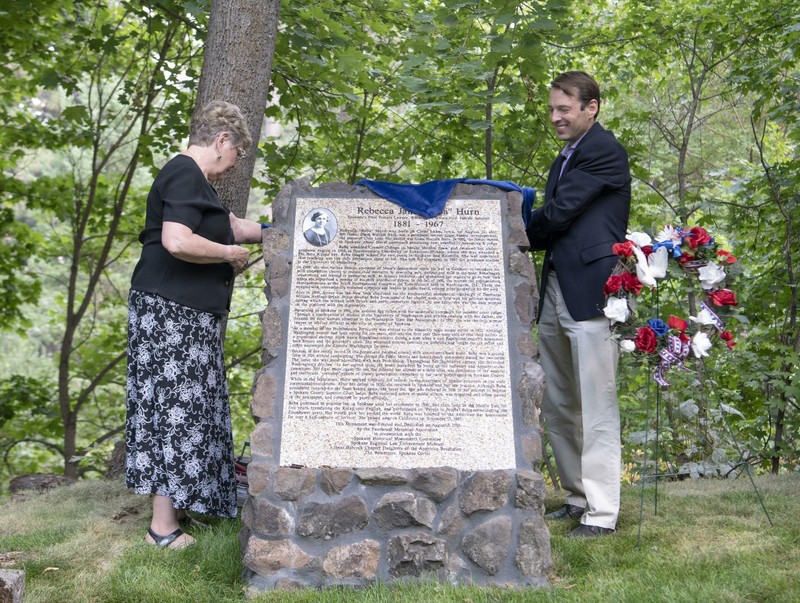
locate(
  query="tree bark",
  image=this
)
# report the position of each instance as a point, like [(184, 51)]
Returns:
[(237, 64)]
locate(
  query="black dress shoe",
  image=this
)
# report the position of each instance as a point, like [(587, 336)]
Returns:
[(566, 512), (586, 531)]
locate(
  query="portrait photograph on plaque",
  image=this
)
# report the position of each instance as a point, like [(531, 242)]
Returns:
[(320, 227)]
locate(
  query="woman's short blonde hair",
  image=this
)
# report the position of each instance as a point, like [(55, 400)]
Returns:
[(214, 119)]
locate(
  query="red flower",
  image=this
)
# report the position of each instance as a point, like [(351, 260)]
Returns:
[(613, 284), (698, 236), (631, 283), (647, 250), (686, 257), (624, 249), (646, 340), (727, 336), (677, 323), (684, 338), (725, 256), (723, 297)]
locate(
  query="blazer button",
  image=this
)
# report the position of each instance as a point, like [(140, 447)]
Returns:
[(227, 283)]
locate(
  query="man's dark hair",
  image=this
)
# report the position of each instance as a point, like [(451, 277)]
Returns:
[(579, 85)]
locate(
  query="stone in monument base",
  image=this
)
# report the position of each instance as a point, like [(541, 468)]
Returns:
[(12, 586), (324, 527)]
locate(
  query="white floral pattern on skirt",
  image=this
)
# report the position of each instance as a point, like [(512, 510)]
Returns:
[(178, 433)]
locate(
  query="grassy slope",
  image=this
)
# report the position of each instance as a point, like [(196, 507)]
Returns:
[(710, 541)]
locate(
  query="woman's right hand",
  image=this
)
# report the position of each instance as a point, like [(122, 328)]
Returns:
[(237, 257)]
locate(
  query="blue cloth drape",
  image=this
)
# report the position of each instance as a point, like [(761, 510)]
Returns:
[(429, 198)]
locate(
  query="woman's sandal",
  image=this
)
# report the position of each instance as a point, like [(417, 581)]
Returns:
[(168, 541)]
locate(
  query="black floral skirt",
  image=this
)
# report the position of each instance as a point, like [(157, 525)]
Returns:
[(178, 432)]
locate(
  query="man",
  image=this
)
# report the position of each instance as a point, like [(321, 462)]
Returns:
[(585, 211)]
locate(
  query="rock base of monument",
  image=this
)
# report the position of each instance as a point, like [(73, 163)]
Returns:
[(12, 586), (309, 528)]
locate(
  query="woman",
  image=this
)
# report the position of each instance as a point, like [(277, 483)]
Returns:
[(318, 234), (178, 438)]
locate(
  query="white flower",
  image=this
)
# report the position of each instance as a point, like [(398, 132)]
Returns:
[(711, 275), (170, 370), (703, 317), (616, 309), (627, 345), (185, 391), (142, 460), (179, 497), (175, 415), (643, 269), (700, 344), (658, 261), (192, 467), (639, 238), (669, 233), (147, 390), (148, 322)]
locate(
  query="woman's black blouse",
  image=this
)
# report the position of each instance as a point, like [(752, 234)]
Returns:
[(181, 193)]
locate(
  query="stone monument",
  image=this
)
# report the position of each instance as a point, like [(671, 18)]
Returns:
[(397, 415)]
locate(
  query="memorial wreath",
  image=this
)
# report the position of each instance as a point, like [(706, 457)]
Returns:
[(699, 268)]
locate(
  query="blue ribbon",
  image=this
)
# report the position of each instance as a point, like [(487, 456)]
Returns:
[(672, 248)]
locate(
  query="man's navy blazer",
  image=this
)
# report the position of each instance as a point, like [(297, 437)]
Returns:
[(584, 213)]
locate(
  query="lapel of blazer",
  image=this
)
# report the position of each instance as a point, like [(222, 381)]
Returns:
[(595, 130), (552, 178)]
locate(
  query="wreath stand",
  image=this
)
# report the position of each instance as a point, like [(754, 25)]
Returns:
[(658, 475)]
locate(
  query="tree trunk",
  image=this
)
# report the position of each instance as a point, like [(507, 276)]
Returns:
[(236, 68), (489, 116), (778, 445)]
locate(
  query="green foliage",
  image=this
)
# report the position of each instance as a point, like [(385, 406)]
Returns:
[(29, 426), (17, 283), (408, 91), (27, 395), (243, 350), (83, 106)]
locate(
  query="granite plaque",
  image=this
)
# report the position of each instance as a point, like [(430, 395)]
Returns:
[(397, 348)]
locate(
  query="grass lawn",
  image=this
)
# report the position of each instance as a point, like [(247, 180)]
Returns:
[(711, 541)]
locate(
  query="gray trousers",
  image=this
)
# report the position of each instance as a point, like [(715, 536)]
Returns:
[(580, 407)]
